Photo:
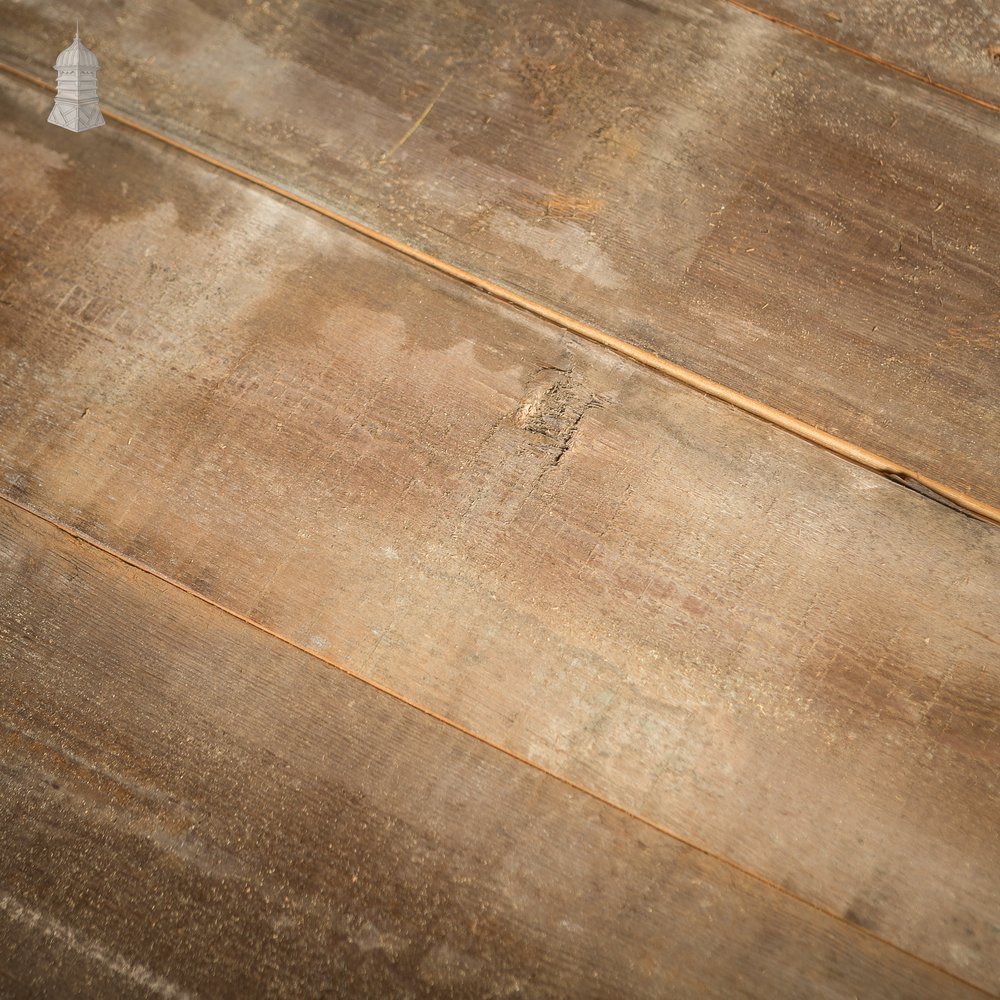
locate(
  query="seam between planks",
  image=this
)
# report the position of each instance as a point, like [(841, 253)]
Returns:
[(949, 496), (81, 538), (860, 53)]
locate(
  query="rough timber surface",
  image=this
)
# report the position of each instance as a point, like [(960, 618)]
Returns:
[(955, 43), (767, 650), (189, 807), (790, 220)]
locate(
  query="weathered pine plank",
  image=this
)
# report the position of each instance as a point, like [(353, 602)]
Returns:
[(190, 807), (769, 651), (956, 44), (808, 228)]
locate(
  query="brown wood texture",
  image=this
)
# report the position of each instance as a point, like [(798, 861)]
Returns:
[(956, 44), (808, 228), (189, 807), (752, 643)]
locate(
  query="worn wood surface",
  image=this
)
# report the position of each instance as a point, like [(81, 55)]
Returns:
[(956, 43), (190, 807), (795, 222), (768, 651)]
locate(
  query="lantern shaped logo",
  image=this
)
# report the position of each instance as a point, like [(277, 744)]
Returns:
[(76, 106)]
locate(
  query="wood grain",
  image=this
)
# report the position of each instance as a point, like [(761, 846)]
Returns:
[(763, 649), (190, 807), (810, 229), (956, 44)]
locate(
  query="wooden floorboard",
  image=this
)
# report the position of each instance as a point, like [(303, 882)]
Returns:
[(752, 643), (956, 44), (790, 220), (190, 807)]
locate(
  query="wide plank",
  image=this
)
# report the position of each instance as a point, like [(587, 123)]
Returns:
[(763, 648), (956, 44), (191, 807), (810, 229)]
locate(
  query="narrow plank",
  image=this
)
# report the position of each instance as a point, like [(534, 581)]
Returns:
[(768, 651), (956, 44), (808, 228), (190, 807)]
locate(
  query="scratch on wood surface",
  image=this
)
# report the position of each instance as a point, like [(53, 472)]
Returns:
[(134, 972), (423, 116)]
